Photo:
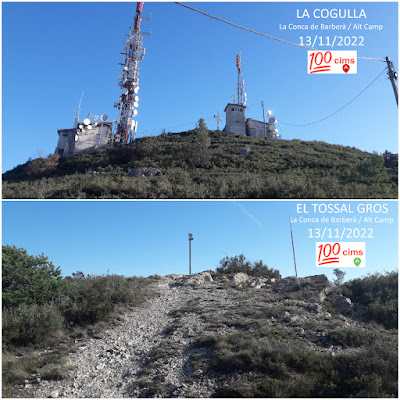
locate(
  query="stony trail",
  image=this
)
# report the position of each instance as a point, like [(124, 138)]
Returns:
[(110, 366), (163, 347)]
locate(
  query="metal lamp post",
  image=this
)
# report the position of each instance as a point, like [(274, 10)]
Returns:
[(190, 252)]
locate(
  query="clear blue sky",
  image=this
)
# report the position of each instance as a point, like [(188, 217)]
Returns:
[(54, 50), (149, 237)]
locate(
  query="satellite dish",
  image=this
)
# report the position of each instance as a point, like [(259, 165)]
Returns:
[(135, 104), (124, 91), (272, 127), (104, 117), (116, 104), (89, 126), (76, 137), (269, 112), (135, 112), (126, 68), (136, 98), (86, 121), (80, 126), (276, 131), (136, 90)]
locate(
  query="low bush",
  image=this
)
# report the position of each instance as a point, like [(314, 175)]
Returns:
[(233, 265), (31, 324), (378, 293)]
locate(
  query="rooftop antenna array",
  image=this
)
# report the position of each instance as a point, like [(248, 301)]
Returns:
[(129, 81), (76, 122), (241, 95)]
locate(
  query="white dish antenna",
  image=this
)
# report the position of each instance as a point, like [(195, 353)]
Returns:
[(135, 112), (136, 90), (136, 98), (269, 112), (124, 91), (135, 104), (104, 117), (89, 127), (126, 68), (86, 121), (80, 126)]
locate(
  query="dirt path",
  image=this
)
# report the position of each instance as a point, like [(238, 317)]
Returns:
[(110, 366)]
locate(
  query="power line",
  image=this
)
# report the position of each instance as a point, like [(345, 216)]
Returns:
[(341, 108), (262, 34)]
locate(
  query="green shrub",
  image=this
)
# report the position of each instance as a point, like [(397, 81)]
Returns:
[(232, 265), (31, 324), (86, 300), (378, 293), (27, 279)]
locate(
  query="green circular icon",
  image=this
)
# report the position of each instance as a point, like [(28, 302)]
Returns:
[(357, 261)]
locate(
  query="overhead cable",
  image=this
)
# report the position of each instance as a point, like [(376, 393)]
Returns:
[(260, 33), (340, 109)]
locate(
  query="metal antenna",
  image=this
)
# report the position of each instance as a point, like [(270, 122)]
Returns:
[(190, 252), (128, 104), (240, 85), (294, 254), (77, 114), (393, 79), (265, 126), (218, 120)]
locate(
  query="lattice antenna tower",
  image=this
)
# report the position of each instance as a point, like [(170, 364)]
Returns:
[(129, 81), (241, 95)]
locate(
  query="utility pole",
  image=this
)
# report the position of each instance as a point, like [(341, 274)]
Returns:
[(265, 127), (190, 252), (218, 119), (393, 79), (294, 255)]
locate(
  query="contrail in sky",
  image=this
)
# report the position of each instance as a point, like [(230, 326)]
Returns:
[(248, 213)]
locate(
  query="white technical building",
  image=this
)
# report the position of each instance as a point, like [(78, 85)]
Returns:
[(88, 138), (236, 121)]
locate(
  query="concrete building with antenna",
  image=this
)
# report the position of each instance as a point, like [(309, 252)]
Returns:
[(236, 121)]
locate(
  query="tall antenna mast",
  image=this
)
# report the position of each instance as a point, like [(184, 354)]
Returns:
[(294, 254), (241, 95), (77, 113), (128, 104)]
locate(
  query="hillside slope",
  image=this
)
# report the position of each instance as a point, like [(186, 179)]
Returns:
[(207, 165), (208, 335)]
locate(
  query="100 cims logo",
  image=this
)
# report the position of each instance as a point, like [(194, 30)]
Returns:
[(332, 62), (340, 254)]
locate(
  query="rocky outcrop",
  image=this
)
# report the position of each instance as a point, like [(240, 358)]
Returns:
[(145, 171)]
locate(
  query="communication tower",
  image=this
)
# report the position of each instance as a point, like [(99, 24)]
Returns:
[(241, 95), (129, 82)]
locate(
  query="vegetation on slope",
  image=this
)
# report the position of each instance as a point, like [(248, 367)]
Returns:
[(207, 164), (282, 346), (379, 295), (42, 309)]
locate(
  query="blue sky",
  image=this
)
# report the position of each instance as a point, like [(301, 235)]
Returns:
[(54, 50), (149, 237)]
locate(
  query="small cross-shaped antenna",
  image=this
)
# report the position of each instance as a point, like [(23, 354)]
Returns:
[(218, 119)]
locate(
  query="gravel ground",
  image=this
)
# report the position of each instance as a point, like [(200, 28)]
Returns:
[(111, 365)]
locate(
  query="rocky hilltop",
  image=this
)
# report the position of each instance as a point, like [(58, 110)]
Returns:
[(214, 335)]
